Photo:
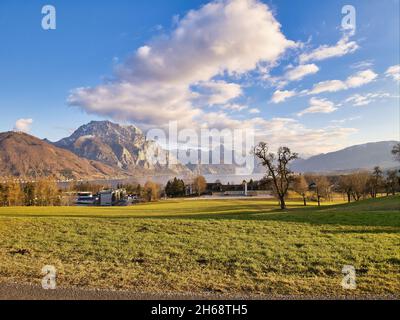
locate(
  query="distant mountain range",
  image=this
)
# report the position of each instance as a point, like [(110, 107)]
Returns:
[(105, 150), (364, 156)]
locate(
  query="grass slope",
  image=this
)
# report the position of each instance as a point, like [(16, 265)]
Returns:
[(244, 247)]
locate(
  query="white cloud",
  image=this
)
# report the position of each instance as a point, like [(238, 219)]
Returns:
[(359, 100), (361, 78), (365, 64), (280, 96), (300, 72), (328, 86), (157, 83), (293, 74), (393, 72), (219, 92), (23, 125), (234, 107), (319, 106), (291, 133), (286, 131), (357, 80), (254, 111), (341, 121), (343, 47)]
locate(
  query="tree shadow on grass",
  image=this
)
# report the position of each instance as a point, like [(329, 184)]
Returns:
[(380, 230), (365, 213)]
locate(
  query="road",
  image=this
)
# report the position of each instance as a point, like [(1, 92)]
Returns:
[(33, 292)]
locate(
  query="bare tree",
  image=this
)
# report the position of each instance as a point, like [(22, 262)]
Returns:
[(277, 166), (359, 183), (375, 182), (322, 187), (301, 187), (391, 182), (346, 186)]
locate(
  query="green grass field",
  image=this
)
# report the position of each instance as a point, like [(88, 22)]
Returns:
[(233, 247)]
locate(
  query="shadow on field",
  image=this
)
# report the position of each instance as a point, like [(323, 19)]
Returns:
[(384, 212), (363, 231)]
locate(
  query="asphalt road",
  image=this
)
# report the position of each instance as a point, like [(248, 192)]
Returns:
[(33, 292)]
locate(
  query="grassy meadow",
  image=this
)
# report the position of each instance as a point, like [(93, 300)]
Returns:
[(232, 247)]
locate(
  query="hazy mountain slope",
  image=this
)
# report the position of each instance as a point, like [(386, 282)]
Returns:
[(365, 156), (22, 155)]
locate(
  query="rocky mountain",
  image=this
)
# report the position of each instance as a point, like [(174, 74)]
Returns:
[(24, 156), (365, 156), (105, 150), (123, 147)]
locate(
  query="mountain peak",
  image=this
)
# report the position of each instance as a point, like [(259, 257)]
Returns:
[(122, 146)]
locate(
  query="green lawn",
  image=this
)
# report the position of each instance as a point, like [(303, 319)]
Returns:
[(245, 247)]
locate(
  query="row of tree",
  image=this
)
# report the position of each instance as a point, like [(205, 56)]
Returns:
[(44, 192), (356, 186)]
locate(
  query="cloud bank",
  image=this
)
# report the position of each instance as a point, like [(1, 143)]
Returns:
[(179, 75), (162, 80)]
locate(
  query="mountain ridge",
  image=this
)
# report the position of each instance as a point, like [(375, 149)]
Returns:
[(106, 150), (25, 156), (357, 157)]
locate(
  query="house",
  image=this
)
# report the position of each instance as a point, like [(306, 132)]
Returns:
[(85, 199), (111, 197)]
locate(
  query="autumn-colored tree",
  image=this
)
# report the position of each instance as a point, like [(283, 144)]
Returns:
[(277, 166), (3, 195), (14, 194), (47, 193), (139, 189), (300, 186), (88, 187), (29, 194), (151, 191), (200, 185)]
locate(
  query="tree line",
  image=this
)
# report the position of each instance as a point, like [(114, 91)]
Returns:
[(44, 192), (356, 186)]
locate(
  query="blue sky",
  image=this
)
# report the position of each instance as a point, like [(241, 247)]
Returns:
[(96, 46)]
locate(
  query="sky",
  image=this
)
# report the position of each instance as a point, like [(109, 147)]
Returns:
[(290, 69)]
